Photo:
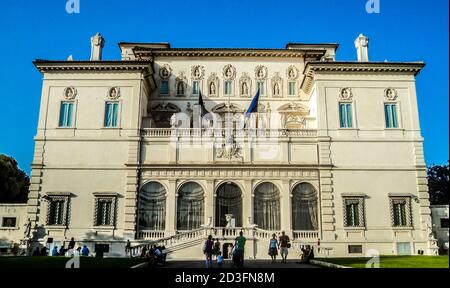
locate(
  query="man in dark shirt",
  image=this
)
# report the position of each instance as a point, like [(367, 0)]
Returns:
[(284, 246)]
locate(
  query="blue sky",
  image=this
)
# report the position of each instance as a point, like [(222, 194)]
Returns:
[(404, 30)]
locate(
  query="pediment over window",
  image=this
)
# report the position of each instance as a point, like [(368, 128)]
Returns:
[(224, 108), (294, 108), (162, 112)]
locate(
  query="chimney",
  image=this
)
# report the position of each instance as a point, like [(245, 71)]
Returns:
[(97, 43), (362, 48)]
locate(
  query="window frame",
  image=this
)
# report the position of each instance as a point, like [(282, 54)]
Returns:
[(295, 89), (263, 82), (397, 114), (161, 85), (118, 102), (65, 199), (361, 211), (407, 210), (109, 198), (73, 116), (352, 116), (9, 227), (225, 87)]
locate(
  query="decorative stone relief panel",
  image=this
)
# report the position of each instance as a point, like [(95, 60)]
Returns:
[(390, 94), (197, 72), (261, 72), (113, 93), (292, 73), (165, 72), (229, 72), (70, 93), (346, 94)]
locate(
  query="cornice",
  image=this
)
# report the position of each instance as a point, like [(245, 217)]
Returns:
[(143, 52), (313, 68), (60, 66)]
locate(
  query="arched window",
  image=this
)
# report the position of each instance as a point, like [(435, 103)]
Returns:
[(228, 202), (304, 207), (190, 206), (152, 207), (267, 206)]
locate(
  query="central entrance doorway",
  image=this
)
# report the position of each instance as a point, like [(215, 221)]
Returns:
[(228, 202)]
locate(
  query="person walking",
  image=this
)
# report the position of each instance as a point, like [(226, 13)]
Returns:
[(284, 245), (273, 247), (208, 250), (240, 249)]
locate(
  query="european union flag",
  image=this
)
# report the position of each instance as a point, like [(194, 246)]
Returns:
[(202, 104)]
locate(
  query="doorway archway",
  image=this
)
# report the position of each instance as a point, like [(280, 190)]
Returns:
[(228, 201)]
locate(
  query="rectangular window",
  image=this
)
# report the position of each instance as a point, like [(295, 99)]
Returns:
[(403, 248), (228, 87), (56, 215), (444, 223), (164, 89), (195, 87), (354, 249), (345, 115), (352, 211), (400, 214), (111, 114), (9, 222), (260, 87), (104, 212), (390, 112), (65, 114), (292, 89)]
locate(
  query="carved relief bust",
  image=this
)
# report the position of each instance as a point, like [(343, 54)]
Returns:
[(197, 72), (229, 72), (346, 94), (261, 72), (390, 94), (292, 73), (113, 93), (70, 93), (165, 72)]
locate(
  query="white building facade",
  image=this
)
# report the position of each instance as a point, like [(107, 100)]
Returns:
[(334, 151)]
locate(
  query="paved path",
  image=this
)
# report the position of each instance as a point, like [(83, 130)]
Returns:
[(247, 264)]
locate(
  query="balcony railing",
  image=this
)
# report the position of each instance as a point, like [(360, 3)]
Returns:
[(186, 132), (305, 235)]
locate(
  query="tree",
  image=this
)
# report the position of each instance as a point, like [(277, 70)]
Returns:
[(438, 178), (14, 183)]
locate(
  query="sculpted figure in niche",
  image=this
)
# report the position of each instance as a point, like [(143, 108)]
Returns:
[(276, 89), (180, 88), (212, 88), (244, 88)]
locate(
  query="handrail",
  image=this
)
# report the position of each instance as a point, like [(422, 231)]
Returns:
[(223, 132)]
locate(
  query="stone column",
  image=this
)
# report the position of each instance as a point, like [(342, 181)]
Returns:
[(247, 204), (209, 203), (286, 207), (171, 209)]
